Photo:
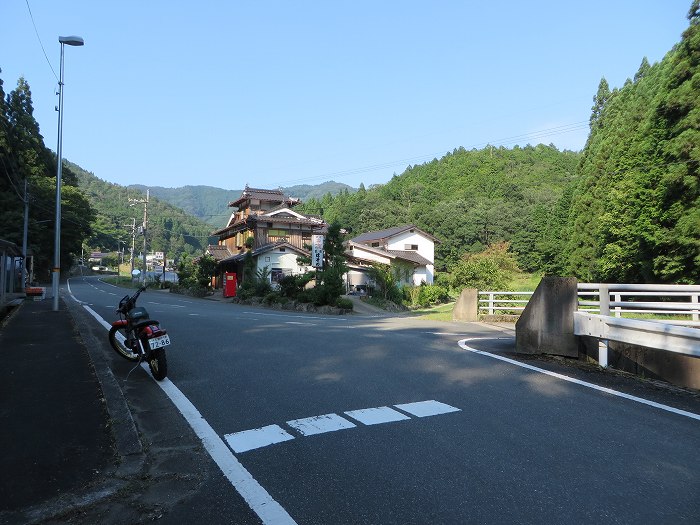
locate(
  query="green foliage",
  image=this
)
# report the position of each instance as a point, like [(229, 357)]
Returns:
[(491, 269), (170, 229), (24, 157), (430, 294), (468, 200), (255, 283), (292, 286), (344, 303), (331, 285), (634, 213), (195, 274), (385, 282), (210, 204)]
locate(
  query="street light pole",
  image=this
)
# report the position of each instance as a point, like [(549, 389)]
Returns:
[(56, 272)]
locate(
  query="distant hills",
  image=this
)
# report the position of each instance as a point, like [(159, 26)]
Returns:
[(210, 204)]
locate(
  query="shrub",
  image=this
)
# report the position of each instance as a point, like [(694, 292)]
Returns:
[(293, 285), (270, 298), (344, 303), (429, 294)]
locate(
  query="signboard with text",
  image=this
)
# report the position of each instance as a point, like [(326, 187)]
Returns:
[(317, 251)]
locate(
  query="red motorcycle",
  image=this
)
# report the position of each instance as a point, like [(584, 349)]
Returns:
[(136, 337)]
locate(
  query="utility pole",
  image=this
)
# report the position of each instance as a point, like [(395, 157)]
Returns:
[(23, 284), (133, 243), (143, 230)]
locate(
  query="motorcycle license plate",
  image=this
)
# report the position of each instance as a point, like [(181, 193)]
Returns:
[(159, 342)]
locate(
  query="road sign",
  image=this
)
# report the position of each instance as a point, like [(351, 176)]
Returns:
[(317, 251)]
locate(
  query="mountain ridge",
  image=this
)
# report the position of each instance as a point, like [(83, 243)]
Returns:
[(210, 203)]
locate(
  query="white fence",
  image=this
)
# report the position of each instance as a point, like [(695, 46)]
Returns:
[(503, 303), (670, 304)]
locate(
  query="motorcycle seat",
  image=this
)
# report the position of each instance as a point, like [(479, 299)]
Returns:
[(145, 322)]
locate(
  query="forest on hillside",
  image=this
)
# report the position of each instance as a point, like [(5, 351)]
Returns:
[(210, 203), (625, 209), (170, 229), (635, 211), (26, 163), (467, 199)]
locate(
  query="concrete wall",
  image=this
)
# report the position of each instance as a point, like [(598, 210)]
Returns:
[(546, 326), (467, 306), (677, 369)]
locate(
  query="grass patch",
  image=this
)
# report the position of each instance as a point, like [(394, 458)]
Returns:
[(524, 282), (442, 312)]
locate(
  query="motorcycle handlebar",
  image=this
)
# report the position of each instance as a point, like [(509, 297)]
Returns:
[(128, 303)]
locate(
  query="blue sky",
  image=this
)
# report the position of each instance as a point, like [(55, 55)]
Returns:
[(224, 93)]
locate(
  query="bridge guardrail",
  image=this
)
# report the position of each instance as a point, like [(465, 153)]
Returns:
[(625, 301)]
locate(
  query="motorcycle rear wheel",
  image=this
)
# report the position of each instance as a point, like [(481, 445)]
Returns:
[(118, 345), (158, 364)]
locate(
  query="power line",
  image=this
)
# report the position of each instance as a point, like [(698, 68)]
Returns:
[(39, 39), (567, 128)]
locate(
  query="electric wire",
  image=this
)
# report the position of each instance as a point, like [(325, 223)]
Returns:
[(39, 39), (566, 128)]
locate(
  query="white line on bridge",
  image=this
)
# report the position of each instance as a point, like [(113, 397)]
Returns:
[(464, 345)]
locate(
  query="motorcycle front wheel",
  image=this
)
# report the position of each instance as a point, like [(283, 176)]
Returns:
[(117, 337), (158, 364)]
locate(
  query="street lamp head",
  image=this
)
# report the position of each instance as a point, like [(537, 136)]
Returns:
[(71, 40)]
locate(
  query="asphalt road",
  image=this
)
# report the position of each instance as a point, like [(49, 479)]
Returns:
[(390, 420)]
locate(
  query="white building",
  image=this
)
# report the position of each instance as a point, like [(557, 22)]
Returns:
[(409, 250)]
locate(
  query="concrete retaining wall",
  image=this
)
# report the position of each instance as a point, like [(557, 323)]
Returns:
[(467, 306), (546, 326), (677, 369)]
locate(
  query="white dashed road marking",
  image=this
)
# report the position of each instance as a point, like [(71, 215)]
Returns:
[(272, 434), (427, 408), (375, 416), (257, 438), (320, 424)]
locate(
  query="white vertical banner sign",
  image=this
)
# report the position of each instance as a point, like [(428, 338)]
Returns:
[(317, 251)]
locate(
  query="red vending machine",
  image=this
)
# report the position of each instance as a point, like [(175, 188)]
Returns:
[(229, 284)]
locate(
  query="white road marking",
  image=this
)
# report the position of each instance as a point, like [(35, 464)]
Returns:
[(376, 416), (464, 345), (298, 316), (259, 500), (300, 323), (257, 438), (309, 426), (320, 424), (427, 408)]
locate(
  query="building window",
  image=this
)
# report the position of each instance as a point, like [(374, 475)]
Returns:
[(375, 245), (267, 259), (412, 247), (276, 274)]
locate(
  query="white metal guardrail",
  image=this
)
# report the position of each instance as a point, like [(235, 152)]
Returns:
[(674, 304), (660, 336), (626, 300), (669, 311)]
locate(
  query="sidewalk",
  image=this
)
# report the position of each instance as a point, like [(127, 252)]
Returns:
[(55, 439)]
